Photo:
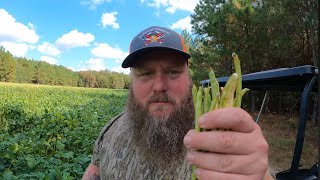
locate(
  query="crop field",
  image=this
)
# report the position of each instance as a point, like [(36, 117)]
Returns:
[(47, 132)]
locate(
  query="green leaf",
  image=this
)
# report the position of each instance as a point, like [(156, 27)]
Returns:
[(8, 175), (58, 174), (49, 176), (78, 169), (60, 145), (14, 147), (31, 162), (68, 155), (85, 159)]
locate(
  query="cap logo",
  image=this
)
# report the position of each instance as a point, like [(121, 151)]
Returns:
[(153, 35), (153, 38)]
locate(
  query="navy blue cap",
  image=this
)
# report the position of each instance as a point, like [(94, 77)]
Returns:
[(153, 38)]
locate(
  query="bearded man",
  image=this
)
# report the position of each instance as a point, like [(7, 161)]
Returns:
[(153, 137)]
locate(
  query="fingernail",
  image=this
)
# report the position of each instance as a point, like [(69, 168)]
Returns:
[(187, 140), (202, 120), (190, 157), (197, 173)]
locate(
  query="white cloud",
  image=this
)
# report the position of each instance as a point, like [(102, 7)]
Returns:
[(48, 59), (99, 64), (171, 10), (109, 19), (74, 39), (105, 51), (96, 64), (156, 3), (172, 5), (121, 70), (93, 3), (182, 24), (48, 49), (71, 68), (31, 26), (14, 31), (16, 49)]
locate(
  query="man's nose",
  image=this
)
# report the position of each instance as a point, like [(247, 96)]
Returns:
[(160, 83)]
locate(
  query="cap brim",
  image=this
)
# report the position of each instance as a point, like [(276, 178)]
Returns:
[(132, 58)]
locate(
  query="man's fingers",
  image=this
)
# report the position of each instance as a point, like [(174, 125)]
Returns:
[(204, 174), (235, 119), (241, 152), (229, 142), (226, 163)]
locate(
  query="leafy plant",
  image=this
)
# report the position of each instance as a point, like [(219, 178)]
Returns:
[(48, 132)]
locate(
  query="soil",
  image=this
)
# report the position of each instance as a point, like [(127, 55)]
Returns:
[(280, 132)]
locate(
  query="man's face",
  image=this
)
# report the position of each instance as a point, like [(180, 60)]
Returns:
[(160, 106), (160, 81)]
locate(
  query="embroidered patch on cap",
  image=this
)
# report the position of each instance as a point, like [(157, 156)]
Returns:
[(153, 35)]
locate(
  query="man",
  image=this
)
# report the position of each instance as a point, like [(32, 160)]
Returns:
[(153, 139)]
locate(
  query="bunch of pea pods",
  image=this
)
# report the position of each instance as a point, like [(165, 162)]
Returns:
[(220, 97)]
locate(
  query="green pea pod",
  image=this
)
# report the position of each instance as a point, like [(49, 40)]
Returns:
[(214, 83), (193, 173), (206, 100), (194, 94), (243, 92), (215, 92), (214, 102), (228, 91), (237, 67), (198, 111), (198, 108)]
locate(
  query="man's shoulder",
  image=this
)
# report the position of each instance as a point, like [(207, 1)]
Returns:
[(107, 126), (111, 122), (115, 118), (99, 141)]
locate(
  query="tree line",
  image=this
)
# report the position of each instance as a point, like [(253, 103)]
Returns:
[(23, 70), (266, 34)]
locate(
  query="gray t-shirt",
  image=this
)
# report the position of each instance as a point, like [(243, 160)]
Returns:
[(117, 158)]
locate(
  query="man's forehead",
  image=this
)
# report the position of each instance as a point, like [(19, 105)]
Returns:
[(164, 58)]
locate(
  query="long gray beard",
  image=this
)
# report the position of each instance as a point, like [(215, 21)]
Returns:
[(160, 140)]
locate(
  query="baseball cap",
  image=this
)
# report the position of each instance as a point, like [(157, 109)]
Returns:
[(154, 38)]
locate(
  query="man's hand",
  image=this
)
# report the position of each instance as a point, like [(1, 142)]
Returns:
[(239, 153)]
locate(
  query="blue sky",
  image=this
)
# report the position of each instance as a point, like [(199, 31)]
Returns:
[(84, 34)]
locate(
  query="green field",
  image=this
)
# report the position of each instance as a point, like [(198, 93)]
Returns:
[(47, 132)]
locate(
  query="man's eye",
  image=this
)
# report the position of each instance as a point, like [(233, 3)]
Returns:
[(146, 74), (173, 72)]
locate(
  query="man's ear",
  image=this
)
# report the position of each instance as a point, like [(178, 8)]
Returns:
[(132, 71)]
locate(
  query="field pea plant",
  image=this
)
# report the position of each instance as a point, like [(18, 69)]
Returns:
[(48, 132), (228, 96)]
